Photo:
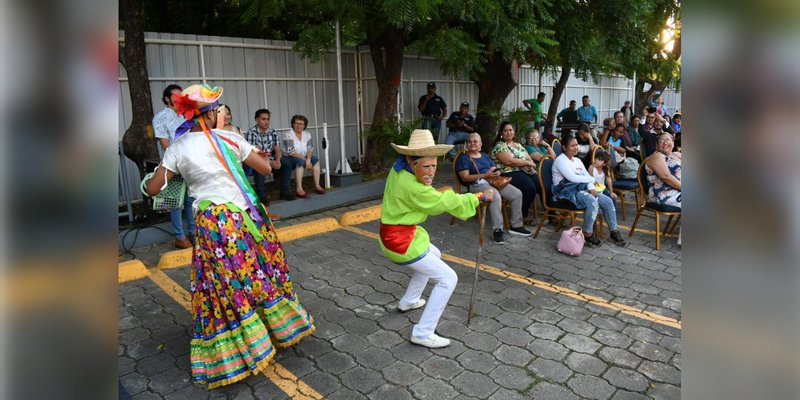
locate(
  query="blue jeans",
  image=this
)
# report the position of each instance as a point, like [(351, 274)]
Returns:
[(455, 138), (288, 165), (593, 205), (432, 124), (176, 216), (258, 179)]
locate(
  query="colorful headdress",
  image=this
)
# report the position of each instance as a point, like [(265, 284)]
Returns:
[(193, 102)]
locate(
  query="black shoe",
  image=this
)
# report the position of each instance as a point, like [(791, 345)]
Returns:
[(593, 241), (520, 231), (287, 196), (617, 238), (497, 235)]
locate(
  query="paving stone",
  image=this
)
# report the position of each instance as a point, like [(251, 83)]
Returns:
[(579, 343), (361, 327), (513, 320), (134, 383), (544, 316), (550, 370), (349, 343), (155, 364), (452, 351), (664, 392), (322, 382), (299, 366), (626, 379), (585, 364), (651, 352), (485, 309), (362, 379), (607, 322), (442, 368), (514, 336), (551, 391), (481, 341), (676, 361), (434, 389), (545, 331), (513, 355), (590, 387), (125, 366), (667, 330), (483, 324), (390, 392), (643, 334), (169, 381), (548, 349), (374, 358), (576, 326), (514, 305), (268, 391), (451, 329), (134, 334), (142, 349), (474, 384), (611, 338), (147, 396), (312, 347), (346, 394), (477, 361), (623, 395), (191, 392), (660, 372), (402, 373), (615, 356), (379, 298), (410, 353), (505, 394), (335, 363), (511, 377)]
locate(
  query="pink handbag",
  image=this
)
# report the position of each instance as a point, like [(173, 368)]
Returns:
[(571, 242)]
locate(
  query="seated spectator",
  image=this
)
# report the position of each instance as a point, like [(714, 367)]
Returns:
[(664, 174), (633, 131), (538, 147), (229, 126), (621, 146), (514, 162), (601, 171), (573, 183), (297, 144), (586, 144), (647, 132), (676, 124), (266, 144), (460, 124), (560, 115), (473, 166)]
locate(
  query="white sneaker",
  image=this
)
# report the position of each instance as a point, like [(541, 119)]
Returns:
[(418, 304), (433, 341)]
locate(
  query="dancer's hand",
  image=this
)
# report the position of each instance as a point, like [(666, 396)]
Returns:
[(488, 195)]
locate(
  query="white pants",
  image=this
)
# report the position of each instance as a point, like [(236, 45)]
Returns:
[(430, 267)]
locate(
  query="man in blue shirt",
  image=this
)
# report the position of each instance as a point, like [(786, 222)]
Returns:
[(461, 123), (587, 113), (433, 109)]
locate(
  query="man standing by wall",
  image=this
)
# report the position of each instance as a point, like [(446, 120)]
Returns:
[(587, 113), (164, 125), (460, 124), (266, 140), (433, 109)]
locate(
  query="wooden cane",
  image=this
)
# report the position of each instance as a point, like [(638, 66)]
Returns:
[(482, 210)]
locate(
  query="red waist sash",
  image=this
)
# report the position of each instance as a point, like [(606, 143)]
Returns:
[(397, 238)]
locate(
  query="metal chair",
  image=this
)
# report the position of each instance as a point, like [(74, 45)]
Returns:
[(623, 185), (656, 208), (556, 145), (555, 208)]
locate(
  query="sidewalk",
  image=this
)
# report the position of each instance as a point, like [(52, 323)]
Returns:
[(605, 325)]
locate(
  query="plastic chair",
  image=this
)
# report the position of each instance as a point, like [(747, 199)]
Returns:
[(556, 145), (555, 208), (623, 185), (462, 188), (656, 208)]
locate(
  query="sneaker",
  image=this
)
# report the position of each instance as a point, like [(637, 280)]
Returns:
[(593, 241), (418, 304), (497, 235), (433, 341), (519, 231), (617, 238)]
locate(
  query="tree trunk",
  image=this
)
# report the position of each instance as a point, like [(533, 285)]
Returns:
[(643, 96), (494, 84), (387, 58), (138, 141), (558, 90)]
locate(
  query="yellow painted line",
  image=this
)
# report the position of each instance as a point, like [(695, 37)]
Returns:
[(175, 259), (131, 271), (361, 216), (306, 229), (650, 316), (280, 376)]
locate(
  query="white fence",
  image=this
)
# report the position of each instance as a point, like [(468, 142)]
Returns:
[(259, 73)]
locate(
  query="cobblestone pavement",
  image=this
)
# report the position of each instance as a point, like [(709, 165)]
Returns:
[(523, 341)]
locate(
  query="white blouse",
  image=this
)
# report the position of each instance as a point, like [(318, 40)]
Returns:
[(291, 144), (195, 160)]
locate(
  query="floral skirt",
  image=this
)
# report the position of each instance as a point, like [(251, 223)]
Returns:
[(243, 302)]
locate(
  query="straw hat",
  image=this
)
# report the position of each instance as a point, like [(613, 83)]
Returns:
[(421, 144)]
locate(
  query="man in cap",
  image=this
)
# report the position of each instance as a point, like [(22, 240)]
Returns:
[(460, 124), (164, 125), (433, 109), (408, 199)]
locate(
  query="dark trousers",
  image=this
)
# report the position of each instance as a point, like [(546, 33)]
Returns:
[(286, 176), (526, 184)]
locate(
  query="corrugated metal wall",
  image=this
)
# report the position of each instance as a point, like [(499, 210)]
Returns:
[(269, 74)]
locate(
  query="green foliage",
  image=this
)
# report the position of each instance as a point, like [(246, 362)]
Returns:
[(397, 132), (521, 119)]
